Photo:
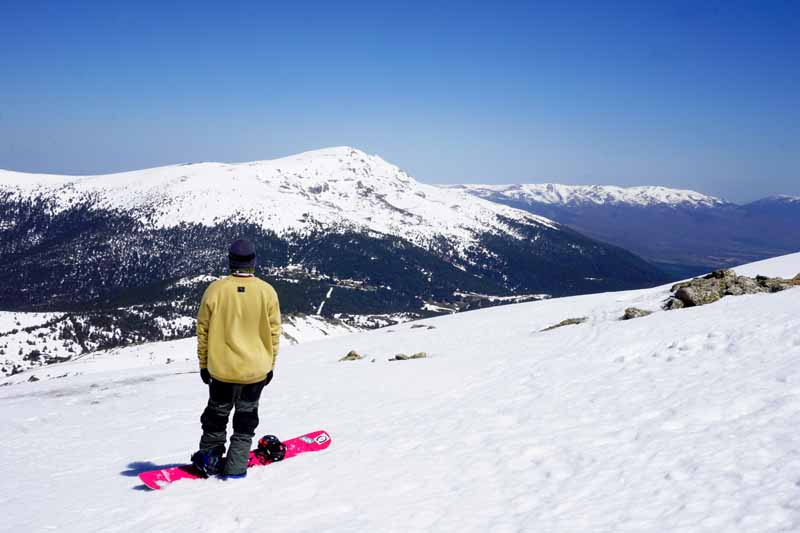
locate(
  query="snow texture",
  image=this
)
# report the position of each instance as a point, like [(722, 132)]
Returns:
[(683, 420)]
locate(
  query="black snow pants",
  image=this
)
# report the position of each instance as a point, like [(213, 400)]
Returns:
[(224, 398)]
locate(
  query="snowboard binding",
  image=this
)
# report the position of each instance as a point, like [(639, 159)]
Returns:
[(209, 462), (270, 449)]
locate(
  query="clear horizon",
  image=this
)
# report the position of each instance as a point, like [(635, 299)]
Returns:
[(684, 96)]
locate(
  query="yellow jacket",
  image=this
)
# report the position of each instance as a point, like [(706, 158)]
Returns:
[(238, 329)]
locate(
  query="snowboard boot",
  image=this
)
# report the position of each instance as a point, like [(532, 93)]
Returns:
[(270, 449), (209, 462)]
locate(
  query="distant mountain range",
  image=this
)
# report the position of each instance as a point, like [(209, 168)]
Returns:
[(683, 232), (340, 234)]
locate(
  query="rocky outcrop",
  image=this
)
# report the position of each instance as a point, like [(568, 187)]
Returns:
[(352, 355), (568, 322), (742, 285), (775, 284), (672, 303), (635, 312), (404, 357), (701, 293), (721, 283)]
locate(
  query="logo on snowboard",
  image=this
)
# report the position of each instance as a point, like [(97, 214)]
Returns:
[(319, 439)]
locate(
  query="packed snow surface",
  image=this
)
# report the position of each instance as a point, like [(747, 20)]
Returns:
[(683, 420), (552, 193), (332, 188)]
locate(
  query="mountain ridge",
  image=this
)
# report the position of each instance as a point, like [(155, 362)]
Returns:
[(298, 193), (339, 233), (683, 232), (555, 193)]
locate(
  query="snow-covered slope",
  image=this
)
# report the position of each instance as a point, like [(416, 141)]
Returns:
[(575, 195), (783, 266), (329, 188), (680, 421)]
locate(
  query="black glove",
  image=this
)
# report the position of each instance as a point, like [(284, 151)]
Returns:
[(205, 376), (269, 378)]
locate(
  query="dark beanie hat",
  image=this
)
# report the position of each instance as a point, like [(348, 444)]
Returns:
[(242, 254)]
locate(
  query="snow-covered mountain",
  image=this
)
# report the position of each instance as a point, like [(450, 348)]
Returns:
[(683, 420), (775, 205), (683, 232), (579, 195), (332, 189), (780, 199), (341, 234)]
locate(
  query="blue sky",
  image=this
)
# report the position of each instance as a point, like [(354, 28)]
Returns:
[(701, 95)]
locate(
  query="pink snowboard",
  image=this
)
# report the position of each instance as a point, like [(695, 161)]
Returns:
[(311, 442)]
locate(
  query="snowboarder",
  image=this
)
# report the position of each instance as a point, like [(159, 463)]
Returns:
[(238, 332)]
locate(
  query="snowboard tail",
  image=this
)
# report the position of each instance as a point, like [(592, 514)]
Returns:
[(310, 442)]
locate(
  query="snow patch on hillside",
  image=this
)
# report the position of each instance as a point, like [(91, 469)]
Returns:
[(307, 328), (203, 279), (11, 320)]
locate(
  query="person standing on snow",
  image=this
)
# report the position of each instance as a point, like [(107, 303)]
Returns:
[(238, 333)]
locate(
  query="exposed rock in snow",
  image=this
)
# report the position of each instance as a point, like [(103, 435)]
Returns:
[(720, 283), (672, 303), (635, 312), (352, 355), (404, 357), (567, 322)]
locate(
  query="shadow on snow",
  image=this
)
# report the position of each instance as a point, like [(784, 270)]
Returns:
[(137, 467)]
